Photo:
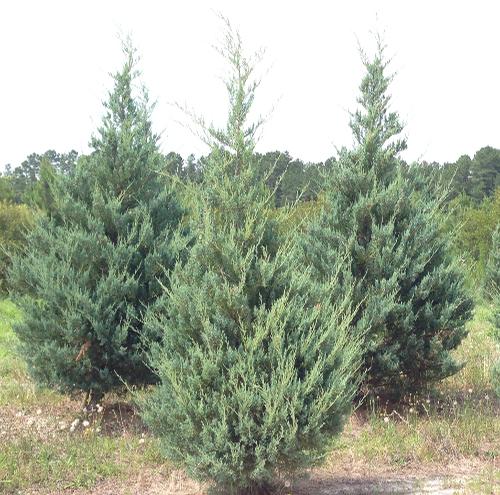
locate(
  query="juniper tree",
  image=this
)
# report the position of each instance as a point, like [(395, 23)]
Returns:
[(410, 293), (256, 364), (92, 267)]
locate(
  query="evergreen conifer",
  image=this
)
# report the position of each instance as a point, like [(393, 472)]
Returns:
[(95, 263), (257, 367), (410, 295)]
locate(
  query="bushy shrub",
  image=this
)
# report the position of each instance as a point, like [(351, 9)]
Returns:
[(96, 262), (410, 293), (6, 189), (495, 320), (472, 227), (492, 292), (15, 221), (492, 272), (257, 366)]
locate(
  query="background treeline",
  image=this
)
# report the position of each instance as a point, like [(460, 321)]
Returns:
[(474, 179), (472, 199)]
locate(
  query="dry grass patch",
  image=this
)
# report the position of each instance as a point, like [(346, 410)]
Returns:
[(478, 352), (69, 461), (454, 428)]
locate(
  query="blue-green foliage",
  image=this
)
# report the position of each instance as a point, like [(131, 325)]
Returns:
[(409, 292), (93, 265), (257, 367)]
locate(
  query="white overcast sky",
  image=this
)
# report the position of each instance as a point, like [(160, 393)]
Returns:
[(56, 56)]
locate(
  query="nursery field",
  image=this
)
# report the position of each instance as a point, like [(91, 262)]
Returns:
[(446, 441)]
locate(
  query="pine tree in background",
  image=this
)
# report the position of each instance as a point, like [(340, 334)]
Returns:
[(43, 194), (410, 294), (93, 266), (257, 368)]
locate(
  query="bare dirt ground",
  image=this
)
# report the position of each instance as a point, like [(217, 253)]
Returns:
[(319, 483)]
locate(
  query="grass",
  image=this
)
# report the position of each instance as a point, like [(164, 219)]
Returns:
[(8, 359), (403, 439), (456, 424), (15, 386), (71, 461), (37, 447), (486, 483), (478, 352)]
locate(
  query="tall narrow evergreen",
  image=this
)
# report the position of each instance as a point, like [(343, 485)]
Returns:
[(96, 263), (410, 293), (257, 368)]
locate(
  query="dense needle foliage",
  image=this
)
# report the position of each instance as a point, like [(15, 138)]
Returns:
[(95, 262), (410, 294), (257, 367)]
